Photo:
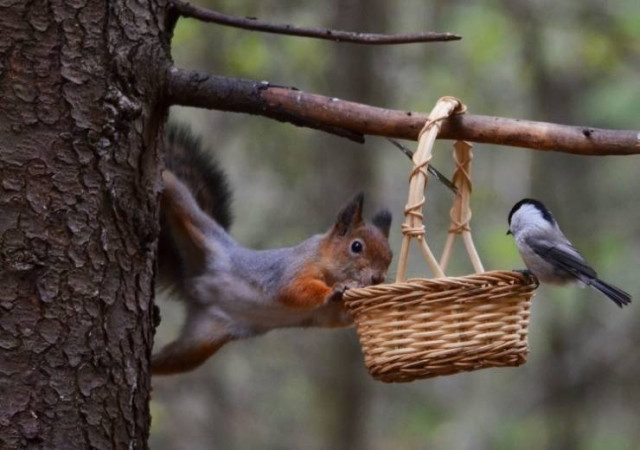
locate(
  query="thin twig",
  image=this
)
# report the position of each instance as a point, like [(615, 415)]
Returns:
[(189, 88), (251, 23), (430, 168), (402, 148)]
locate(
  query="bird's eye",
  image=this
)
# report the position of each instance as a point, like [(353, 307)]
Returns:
[(357, 246)]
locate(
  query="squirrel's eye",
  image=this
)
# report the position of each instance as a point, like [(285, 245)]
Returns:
[(357, 246)]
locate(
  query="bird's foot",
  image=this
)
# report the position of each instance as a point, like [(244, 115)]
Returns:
[(529, 276)]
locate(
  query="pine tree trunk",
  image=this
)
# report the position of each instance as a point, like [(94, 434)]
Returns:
[(80, 120)]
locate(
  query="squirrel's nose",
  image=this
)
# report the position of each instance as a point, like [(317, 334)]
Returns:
[(377, 279)]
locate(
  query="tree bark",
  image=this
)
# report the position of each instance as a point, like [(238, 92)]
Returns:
[(80, 120)]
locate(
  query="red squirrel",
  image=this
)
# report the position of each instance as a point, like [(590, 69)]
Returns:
[(232, 292)]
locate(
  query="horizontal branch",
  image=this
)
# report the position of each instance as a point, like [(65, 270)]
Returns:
[(251, 23), (354, 120)]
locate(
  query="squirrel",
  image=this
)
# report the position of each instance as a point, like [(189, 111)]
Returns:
[(231, 292)]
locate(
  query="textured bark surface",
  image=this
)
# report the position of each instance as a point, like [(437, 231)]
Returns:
[(79, 165)]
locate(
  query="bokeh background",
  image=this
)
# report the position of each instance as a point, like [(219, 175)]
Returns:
[(566, 62)]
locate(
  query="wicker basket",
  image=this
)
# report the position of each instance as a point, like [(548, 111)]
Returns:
[(423, 328)]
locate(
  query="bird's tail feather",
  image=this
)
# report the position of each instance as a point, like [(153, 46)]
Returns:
[(617, 295)]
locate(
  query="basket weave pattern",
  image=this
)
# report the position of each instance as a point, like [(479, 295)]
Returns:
[(421, 328)]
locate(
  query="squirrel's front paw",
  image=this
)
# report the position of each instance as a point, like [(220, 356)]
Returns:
[(339, 289), (335, 296)]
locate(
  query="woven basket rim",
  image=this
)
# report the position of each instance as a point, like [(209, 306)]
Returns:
[(493, 278)]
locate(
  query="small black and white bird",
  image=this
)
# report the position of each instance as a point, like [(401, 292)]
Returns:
[(549, 255)]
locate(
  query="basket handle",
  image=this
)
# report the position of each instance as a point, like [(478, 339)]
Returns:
[(413, 226), (461, 211)]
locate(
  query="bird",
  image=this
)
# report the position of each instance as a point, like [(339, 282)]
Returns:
[(549, 255)]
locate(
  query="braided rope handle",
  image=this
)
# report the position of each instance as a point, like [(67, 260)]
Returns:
[(461, 211), (413, 226)]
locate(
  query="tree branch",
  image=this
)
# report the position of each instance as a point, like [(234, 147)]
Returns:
[(354, 120), (251, 23)]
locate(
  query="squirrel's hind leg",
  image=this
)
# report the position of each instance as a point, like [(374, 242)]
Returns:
[(201, 337)]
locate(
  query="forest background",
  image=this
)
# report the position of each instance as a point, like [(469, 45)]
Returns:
[(566, 62)]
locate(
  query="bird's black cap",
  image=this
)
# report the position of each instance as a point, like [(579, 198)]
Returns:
[(536, 204)]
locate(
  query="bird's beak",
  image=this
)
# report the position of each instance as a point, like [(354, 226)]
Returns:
[(509, 232)]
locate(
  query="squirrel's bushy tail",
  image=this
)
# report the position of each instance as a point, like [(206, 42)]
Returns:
[(196, 167)]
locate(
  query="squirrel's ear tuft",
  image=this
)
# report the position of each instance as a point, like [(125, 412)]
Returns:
[(350, 216), (382, 221)]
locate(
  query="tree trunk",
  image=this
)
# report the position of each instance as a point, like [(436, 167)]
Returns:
[(353, 73), (80, 120)]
